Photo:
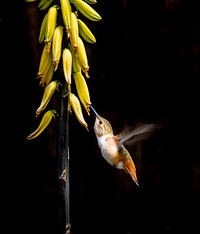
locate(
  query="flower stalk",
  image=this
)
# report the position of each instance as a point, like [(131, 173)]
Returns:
[(64, 61)]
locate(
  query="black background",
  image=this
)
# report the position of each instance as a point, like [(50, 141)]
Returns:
[(144, 68)]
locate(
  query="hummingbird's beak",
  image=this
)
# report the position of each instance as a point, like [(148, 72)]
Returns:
[(95, 112)]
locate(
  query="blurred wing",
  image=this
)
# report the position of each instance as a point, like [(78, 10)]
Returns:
[(137, 134)]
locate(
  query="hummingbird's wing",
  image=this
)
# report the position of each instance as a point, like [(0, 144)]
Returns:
[(137, 134)]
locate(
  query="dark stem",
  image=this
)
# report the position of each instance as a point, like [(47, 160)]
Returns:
[(63, 164)]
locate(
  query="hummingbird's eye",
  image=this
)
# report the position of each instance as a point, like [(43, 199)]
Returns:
[(100, 122)]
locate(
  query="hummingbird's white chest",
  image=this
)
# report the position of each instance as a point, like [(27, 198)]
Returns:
[(108, 147)]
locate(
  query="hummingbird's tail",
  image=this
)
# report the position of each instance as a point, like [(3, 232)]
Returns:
[(130, 168)]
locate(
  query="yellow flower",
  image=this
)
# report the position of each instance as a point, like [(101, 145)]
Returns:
[(46, 119)]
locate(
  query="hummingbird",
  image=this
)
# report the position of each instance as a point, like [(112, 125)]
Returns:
[(112, 146)]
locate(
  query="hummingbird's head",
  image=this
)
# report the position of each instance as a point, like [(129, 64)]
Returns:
[(102, 126)]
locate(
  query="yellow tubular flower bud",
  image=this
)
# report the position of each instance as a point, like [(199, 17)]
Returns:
[(57, 46), (76, 106), (46, 119), (42, 29), (44, 4), (75, 64), (91, 1), (50, 24), (82, 57), (82, 90), (67, 64), (87, 10), (74, 31), (66, 15), (85, 32), (48, 93), (45, 61), (41, 3), (46, 78)]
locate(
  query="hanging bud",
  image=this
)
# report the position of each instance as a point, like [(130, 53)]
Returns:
[(82, 90), (66, 15), (76, 106), (46, 119), (45, 61), (48, 93), (50, 25), (85, 33), (82, 57), (75, 64), (74, 31), (91, 1), (67, 64), (47, 76), (43, 4), (42, 29), (87, 10), (57, 46)]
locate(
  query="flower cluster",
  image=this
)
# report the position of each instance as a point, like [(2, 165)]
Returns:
[(63, 34)]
